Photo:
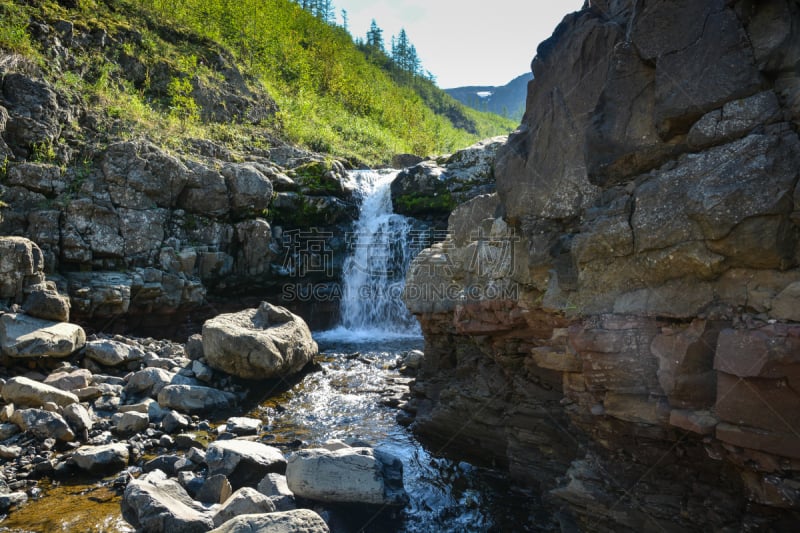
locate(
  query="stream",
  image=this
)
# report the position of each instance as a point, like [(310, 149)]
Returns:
[(346, 399)]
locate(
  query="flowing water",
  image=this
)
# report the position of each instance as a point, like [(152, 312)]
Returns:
[(345, 400)]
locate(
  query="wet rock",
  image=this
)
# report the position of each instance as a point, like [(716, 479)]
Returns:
[(245, 463), (11, 500), (43, 424), (23, 391), (245, 501), (275, 341), (349, 475), (102, 459), (194, 399), (22, 336), (165, 463), (304, 520), (162, 506)]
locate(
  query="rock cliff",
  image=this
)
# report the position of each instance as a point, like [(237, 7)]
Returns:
[(130, 228), (618, 325)]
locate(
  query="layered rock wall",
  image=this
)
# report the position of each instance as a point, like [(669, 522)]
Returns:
[(619, 323)]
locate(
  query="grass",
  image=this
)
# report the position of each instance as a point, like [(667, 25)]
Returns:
[(331, 96)]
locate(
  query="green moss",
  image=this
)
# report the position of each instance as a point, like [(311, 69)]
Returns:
[(419, 205)]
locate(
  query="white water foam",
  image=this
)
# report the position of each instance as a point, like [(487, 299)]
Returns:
[(374, 273)]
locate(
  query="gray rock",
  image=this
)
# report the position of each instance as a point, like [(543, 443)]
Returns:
[(275, 487), (149, 381), (130, 423), (241, 425), (163, 506), (202, 371), (304, 520), (248, 189), (23, 391), (33, 113), (258, 343), (102, 459), (43, 424), (8, 430), (112, 353), (142, 176), (47, 305), (23, 336), (194, 399), (21, 264), (78, 417), (215, 489), (243, 502), (12, 499), (348, 475), (174, 421), (244, 462), (75, 379)]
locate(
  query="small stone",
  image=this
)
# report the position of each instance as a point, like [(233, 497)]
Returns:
[(243, 425), (216, 489)]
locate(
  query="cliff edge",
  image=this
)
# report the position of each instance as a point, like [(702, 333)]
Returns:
[(619, 324)]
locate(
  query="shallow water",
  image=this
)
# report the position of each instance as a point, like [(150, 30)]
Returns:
[(341, 401)]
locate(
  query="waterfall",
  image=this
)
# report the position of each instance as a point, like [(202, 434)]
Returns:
[(381, 246)]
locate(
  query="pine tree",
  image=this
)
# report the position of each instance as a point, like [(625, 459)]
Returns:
[(375, 37), (345, 21)]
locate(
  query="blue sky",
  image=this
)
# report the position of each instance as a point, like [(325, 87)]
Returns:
[(465, 42)]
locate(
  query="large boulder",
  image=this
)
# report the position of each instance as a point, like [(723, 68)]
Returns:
[(24, 336), (159, 505), (243, 462), (347, 475), (304, 520), (261, 343), (27, 392)]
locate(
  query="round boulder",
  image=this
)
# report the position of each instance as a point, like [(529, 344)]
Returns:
[(261, 343)]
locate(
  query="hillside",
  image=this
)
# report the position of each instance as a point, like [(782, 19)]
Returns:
[(507, 100), (245, 74)]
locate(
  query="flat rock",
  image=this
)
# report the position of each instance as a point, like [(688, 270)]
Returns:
[(348, 475), (241, 425), (27, 392), (102, 459), (194, 398), (304, 520), (112, 353), (243, 462), (23, 336), (76, 379), (131, 422)]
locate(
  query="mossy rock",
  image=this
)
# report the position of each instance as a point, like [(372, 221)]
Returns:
[(418, 206)]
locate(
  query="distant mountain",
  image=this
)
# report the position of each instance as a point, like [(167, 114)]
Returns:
[(508, 100)]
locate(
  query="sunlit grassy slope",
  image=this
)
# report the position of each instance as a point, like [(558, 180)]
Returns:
[(331, 96)]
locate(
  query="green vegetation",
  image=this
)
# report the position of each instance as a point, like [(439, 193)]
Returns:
[(160, 73)]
